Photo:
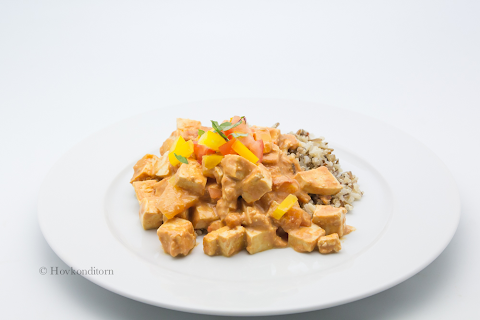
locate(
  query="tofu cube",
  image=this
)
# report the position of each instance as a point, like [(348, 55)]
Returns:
[(144, 189), (159, 187), (177, 237), (331, 219), (231, 241), (145, 168), (304, 239), (185, 124), (237, 167), (273, 157), (318, 181), (184, 215), (275, 134), (209, 173), (327, 244), (163, 167), (256, 184), (202, 215), (188, 128), (215, 225), (259, 240), (218, 174), (287, 142), (175, 200), (210, 244), (190, 177), (150, 215)]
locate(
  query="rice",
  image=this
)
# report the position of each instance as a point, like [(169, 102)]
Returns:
[(313, 153)]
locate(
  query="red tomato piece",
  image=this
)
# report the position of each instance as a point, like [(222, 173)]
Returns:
[(201, 150), (247, 141), (227, 148), (241, 128), (257, 148)]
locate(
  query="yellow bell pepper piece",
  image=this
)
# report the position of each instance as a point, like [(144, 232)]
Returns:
[(283, 207), (242, 150), (211, 161), (212, 140), (181, 148)]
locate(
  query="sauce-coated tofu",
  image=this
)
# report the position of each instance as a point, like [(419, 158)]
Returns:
[(202, 215), (259, 240), (164, 168), (188, 128), (167, 144), (210, 243), (256, 184), (177, 237), (144, 189), (184, 215), (237, 167), (190, 177), (275, 134), (318, 181), (150, 215), (145, 168), (215, 225), (331, 219), (160, 187), (231, 241), (287, 142), (175, 200), (327, 244), (304, 239)]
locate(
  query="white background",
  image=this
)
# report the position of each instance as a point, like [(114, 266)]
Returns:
[(68, 69)]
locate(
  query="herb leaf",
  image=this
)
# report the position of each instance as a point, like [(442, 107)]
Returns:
[(228, 125), (218, 129), (200, 132), (225, 125), (238, 134), (181, 158)]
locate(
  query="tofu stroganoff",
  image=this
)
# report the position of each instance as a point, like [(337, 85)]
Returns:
[(245, 187)]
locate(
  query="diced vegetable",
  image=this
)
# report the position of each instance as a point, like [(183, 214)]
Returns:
[(257, 148), (201, 151), (247, 141), (181, 148), (241, 128), (243, 151), (283, 207), (264, 135), (181, 158), (211, 140), (212, 161), (227, 147)]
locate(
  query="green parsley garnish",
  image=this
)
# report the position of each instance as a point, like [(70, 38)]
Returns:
[(200, 132), (181, 158)]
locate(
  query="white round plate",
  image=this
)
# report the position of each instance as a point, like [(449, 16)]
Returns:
[(89, 215)]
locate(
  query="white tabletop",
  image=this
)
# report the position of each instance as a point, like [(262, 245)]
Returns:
[(68, 69)]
